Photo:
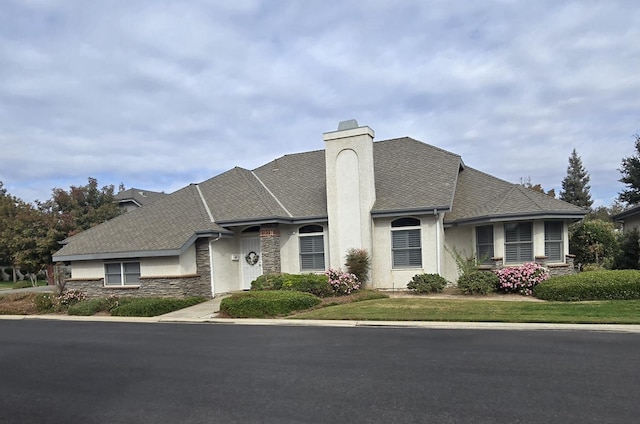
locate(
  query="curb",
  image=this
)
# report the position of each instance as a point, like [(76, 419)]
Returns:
[(433, 325)]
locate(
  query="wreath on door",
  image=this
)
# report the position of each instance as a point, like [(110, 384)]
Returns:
[(252, 258)]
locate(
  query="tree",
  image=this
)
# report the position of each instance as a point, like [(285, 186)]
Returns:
[(594, 241), (536, 187), (630, 170), (629, 255), (575, 186), (81, 207)]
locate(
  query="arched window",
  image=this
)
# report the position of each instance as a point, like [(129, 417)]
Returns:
[(311, 248), (406, 243)]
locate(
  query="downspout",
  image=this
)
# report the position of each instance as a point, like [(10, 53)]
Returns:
[(213, 290), (438, 248)]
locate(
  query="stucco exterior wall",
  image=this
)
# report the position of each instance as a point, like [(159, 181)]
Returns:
[(631, 222), (383, 275), (226, 270), (462, 239)]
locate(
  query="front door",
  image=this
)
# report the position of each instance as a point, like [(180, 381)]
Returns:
[(251, 260)]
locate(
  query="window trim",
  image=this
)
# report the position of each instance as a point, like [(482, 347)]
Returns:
[(304, 232), (489, 260), (559, 242), (519, 244), (406, 225), (122, 274)]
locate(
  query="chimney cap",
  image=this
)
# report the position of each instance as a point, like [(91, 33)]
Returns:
[(347, 125)]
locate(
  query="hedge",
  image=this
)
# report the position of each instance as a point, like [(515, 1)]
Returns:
[(263, 304), (309, 283), (427, 283), (596, 285), (478, 282), (151, 306)]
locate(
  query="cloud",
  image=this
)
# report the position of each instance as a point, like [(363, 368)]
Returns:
[(160, 94)]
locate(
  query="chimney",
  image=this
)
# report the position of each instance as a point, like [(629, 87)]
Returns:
[(351, 189)]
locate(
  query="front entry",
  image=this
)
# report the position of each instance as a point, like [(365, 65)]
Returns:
[(251, 260)]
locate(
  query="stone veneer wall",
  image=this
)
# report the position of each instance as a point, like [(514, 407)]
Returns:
[(270, 248), (171, 286), (566, 268)]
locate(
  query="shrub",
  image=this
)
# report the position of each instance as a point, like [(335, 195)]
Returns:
[(266, 304), (342, 283), (88, 307), (427, 283), (358, 263), (521, 279), (44, 302), (151, 306), (596, 285), (317, 285), (70, 297), (22, 285), (268, 282), (628, 256), (478, 282)]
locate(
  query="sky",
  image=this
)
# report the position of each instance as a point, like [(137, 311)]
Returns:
[(160, 94)]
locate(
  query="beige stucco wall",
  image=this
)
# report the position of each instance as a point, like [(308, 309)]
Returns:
[(631, 222), (462, 239), (225, 270), (149, 267), (383, 274)]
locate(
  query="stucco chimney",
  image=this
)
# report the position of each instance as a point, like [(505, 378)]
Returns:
[(351, 190)]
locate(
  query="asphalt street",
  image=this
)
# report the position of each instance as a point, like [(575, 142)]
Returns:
[(106, 372)]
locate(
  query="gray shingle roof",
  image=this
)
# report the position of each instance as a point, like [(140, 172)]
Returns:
[(480, 196), (410, 176), (163, 227), (139, 196)]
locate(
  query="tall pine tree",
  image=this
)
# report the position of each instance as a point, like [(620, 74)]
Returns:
[(575, 186), (630, 171)]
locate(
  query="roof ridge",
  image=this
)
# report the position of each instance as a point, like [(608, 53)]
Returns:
[(272, 195), (204, 203), (258, 194)]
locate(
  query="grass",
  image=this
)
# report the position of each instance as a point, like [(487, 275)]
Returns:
[(407, 309), (8, 285)]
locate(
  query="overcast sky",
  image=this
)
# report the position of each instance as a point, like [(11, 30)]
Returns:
[(159, 94)]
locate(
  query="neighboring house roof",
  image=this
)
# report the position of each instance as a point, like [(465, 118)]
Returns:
[(411, 177), (163, 228), (631, 212), (138, 196), (482, 197)]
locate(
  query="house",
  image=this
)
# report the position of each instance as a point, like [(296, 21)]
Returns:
[(408, 203), (629, 219), (134, 198)]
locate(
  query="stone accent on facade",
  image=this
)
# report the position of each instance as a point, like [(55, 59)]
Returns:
[(270, 248), (566, 268), (163, 286)]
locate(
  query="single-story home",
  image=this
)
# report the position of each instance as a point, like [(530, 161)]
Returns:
[(629, 218), (409, 204)]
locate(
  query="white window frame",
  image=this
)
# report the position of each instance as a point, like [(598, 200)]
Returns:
[(403, 226), (123, 274), (314, 254), (481, 260), (519, 243), (548, 241)]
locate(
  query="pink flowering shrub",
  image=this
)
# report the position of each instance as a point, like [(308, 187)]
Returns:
[(342, 283), (70, 297), (521, 279)]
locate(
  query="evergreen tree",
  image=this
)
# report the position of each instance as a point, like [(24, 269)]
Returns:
[(575, 186), (630, 171)]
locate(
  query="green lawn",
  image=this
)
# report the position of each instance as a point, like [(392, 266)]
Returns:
[(405, 309), (8, 285)]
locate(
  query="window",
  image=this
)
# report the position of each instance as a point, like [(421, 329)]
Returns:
[(311, 248), (122, 274), (553, 245), (518, 242), (484, 244), (406, 243)]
